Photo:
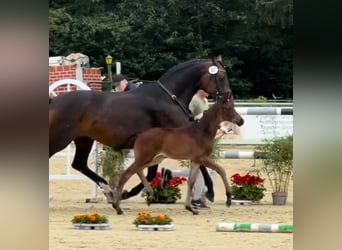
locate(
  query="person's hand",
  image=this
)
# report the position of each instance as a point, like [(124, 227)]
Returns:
[(199, 116)]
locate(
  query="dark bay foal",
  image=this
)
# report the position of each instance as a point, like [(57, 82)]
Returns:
[(193, 142)]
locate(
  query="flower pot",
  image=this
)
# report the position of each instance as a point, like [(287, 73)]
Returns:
[(168, 227), (164, 200), (90, 226), (279, 198)]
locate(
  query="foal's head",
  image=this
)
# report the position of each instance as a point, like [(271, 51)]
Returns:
[(226, 103)]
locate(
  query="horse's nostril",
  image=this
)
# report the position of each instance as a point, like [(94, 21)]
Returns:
[(240, 123)]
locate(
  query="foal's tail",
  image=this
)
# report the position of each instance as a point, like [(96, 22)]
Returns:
[(124, 141)]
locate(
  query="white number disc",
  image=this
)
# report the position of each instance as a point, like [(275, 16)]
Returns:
[(213, 70)]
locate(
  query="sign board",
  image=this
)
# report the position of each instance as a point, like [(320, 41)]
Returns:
[(266, 126)]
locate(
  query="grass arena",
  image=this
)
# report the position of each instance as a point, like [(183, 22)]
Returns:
[(67, 197)]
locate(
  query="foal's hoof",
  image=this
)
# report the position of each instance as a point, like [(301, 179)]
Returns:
[(118, 209), (193, 211), (229, 199)]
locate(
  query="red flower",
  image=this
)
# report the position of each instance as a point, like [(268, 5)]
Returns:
[(156, 180), (246, 179), (176, 181), (247, 187), (168, 191)]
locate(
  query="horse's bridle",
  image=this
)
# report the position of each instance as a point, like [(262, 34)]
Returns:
[(186, 110), (218, 91), (174, 98)]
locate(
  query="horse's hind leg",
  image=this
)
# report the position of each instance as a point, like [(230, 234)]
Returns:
[(80, 163), (208, 183), (57, 143), (151, 173)]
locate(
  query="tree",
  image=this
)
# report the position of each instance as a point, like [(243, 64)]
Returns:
[(254, 37)]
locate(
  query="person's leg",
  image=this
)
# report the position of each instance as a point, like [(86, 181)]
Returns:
[(128, 159), (200, 190)]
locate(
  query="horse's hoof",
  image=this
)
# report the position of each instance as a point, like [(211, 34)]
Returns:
[(210, 196), (228, 203), (124, 195), (117, 208)]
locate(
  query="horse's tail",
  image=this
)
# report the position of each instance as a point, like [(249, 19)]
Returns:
[(121, 143)]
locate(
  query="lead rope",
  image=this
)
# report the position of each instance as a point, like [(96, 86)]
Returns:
[(174, 98)]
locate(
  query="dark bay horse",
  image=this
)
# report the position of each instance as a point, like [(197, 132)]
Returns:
[(193, 142), (85, 116)]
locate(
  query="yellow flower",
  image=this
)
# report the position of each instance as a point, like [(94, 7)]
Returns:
[(92, 218)]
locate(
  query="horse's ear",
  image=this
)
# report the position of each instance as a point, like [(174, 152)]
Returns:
[(216, 59)]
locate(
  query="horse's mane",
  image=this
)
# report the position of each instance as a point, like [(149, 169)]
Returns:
[(182, 66)]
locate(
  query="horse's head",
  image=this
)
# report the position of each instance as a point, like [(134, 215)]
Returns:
[(226, 101), (215, 80)]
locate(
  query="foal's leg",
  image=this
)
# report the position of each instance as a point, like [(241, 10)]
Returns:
[(147, 186), (191, 182), (211, 164), (151, 173), (83, 148), (122, 181)]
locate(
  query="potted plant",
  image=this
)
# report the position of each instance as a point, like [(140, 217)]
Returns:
[(277, 158), (90, 221), (247, 187), (165, 192), (145, 221), (110, 161)]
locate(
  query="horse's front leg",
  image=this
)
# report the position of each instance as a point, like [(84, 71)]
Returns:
[(194, 168), (83, 147), (211, 164)]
